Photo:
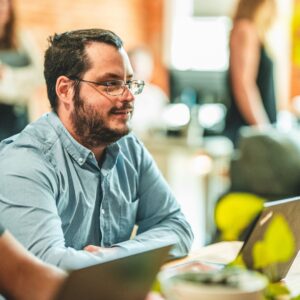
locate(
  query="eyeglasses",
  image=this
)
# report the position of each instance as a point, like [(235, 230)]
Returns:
[(117, 87)]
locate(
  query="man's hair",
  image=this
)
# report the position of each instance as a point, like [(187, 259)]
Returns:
[(66, 55)]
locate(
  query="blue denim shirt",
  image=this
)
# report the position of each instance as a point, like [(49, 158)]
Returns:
[(56, 200)]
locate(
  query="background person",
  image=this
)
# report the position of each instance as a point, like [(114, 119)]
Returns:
[(76, 179), (253, 100), (19, 72), (150, 104)]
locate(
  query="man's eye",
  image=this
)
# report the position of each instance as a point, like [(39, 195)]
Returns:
[(114, 83)]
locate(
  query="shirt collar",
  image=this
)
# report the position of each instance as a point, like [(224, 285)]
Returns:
[(75, 149), (80, 153)]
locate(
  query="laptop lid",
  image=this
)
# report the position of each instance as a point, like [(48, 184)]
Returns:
[(126, 278), (290, 210)]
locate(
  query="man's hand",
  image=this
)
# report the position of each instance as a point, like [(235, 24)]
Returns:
[(154, 296), (96, 249)]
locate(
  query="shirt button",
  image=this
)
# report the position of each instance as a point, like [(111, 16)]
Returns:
[(102, 211), (80, 160)]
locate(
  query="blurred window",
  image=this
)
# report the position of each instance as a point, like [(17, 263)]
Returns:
[(198, 43)]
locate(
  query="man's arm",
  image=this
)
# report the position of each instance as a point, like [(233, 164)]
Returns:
[(159, 217), (28, 190), (22, 276)]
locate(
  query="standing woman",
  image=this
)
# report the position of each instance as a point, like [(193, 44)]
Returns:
[(251, 83), (19, 72)]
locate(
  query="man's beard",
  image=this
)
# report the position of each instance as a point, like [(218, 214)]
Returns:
[(89, 126)]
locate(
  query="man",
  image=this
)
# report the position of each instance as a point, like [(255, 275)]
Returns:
[(75, 183)]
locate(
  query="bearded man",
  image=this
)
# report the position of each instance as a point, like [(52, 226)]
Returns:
[(76, 183)]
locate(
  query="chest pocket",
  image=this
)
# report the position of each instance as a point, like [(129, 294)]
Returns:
[(128, 219)]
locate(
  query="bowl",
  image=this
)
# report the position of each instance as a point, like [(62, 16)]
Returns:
[(226, 284)]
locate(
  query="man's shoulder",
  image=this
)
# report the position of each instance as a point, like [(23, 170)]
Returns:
[(131, 144), (133, 151), (37, 137)]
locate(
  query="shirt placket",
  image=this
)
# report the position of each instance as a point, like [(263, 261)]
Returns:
[(104, 212)]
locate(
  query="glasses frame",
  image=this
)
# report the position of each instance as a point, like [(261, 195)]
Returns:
[(111, 83)]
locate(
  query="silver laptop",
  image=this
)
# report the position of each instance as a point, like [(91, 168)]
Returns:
[(290, 210), (126, 278)]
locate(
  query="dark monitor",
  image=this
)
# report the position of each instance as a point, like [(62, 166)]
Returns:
[(199, 86)]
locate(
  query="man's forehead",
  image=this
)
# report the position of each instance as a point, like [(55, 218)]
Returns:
[(108, 56), (101, 50)]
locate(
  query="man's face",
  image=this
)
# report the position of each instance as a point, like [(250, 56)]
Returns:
[(97, 117)]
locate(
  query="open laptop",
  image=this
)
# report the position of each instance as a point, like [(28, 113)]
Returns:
[(290, 210), (126, 278)]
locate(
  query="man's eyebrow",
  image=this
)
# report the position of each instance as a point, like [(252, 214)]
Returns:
[(112, 76), (108, 75)]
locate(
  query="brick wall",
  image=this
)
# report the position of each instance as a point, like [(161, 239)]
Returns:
[(138, 22)]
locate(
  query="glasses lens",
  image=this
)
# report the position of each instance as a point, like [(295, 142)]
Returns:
[(115, 88), (136, 86)]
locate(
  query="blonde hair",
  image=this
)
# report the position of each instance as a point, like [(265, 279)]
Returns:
[(253, 9)]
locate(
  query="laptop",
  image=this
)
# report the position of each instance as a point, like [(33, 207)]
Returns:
[(126, 278), (290, 210)]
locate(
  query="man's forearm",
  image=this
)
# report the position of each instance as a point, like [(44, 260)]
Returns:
[(160, 235)]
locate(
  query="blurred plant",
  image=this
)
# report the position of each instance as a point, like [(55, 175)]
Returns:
[(234, 212), (156, 286)]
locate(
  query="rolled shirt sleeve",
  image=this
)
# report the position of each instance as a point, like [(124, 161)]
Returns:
[(159, 217)]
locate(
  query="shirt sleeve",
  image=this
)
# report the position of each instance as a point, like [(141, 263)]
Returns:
[(159, 217), (28, 188), (2, 229)]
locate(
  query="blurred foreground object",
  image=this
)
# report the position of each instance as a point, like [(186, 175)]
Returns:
[(231, 283)]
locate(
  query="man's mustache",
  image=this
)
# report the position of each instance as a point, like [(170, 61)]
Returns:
[(125, 106)]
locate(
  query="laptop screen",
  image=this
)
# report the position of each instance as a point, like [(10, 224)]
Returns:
[(290, 210)]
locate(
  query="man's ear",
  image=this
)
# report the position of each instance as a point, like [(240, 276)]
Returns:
[(64, 90)]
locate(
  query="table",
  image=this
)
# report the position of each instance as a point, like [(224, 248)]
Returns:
[(225, 252)]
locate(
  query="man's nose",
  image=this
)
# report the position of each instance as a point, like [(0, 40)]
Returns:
[(127, 95)]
